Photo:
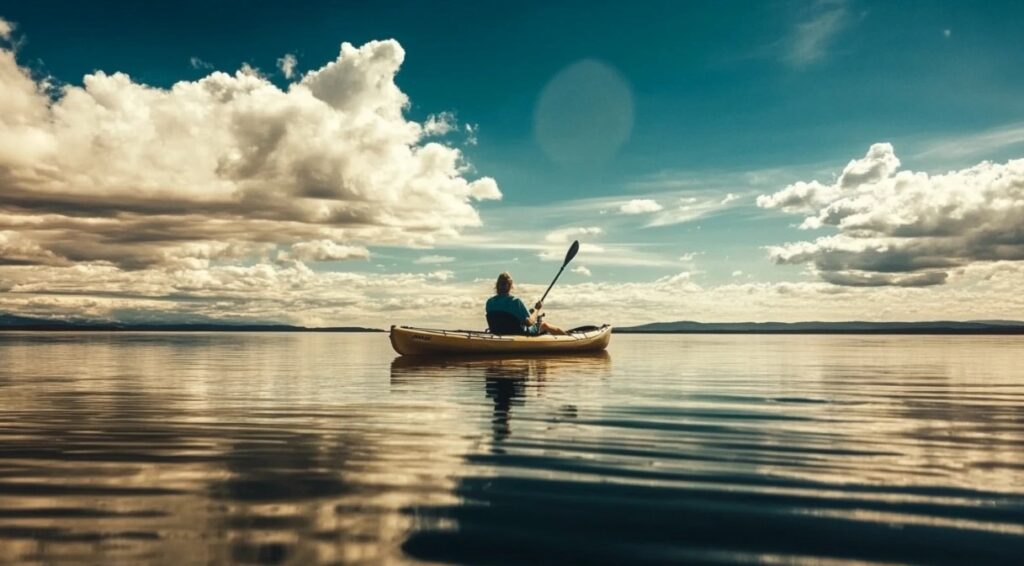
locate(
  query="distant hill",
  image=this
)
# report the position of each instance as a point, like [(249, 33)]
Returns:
[(1000, 322), (853, 327), (15, 322)]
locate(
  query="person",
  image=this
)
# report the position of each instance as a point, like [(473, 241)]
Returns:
[(503, 301)]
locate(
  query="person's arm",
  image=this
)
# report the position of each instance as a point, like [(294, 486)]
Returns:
[(524, 315), (532, 319)]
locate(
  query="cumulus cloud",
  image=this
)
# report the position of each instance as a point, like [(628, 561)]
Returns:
[(6, 28), (16, 250), (582, 270), (565, 235), (119, 173), (879, 163), (440, 124), (323, 250), (287, 65), (976, 292), (905, 228), (292, 292), (289, 292), (441, 275), (640, 206), (434, 259), (799, 197)]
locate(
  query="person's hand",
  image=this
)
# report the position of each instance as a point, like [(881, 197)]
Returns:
[(538, 306)]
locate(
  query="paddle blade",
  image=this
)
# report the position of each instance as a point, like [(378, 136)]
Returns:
[(573, 250)]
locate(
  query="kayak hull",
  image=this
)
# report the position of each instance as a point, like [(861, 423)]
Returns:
[(429, 342)]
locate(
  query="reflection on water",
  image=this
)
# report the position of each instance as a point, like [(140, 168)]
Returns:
[(505, 379), (309, 448)]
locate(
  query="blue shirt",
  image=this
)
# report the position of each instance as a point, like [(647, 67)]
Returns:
[(509, 304)]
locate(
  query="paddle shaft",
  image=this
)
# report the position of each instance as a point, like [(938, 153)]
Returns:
[(552, 284), (573, 249)]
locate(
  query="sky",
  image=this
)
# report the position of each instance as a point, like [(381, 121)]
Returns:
[(372, 164)]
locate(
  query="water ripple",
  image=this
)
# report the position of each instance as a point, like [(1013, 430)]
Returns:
[(307, 448)]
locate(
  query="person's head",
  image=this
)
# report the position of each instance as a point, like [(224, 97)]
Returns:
[(504, 284)]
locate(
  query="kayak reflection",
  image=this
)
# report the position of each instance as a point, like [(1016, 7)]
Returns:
[(507, 381)]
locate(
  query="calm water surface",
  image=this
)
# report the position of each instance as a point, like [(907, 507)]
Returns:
[(307, 448)]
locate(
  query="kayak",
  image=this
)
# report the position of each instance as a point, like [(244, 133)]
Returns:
[(410, 341)]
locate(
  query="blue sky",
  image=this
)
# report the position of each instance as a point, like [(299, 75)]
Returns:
[(700, 107)]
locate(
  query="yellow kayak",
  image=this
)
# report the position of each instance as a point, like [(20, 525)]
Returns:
[(424, 341)]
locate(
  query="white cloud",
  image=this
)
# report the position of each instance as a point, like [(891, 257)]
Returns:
[(682, 279), (197, 63), (737, 273), (471, 134), (811, 38), (17, 250), (582, 270), (291, 292), (441, 275), (972, 294), (981, 144), (688, 209), (730, 197), (565, 235), (799, 197), (118, 172), (879, 163), (640, 206), (249, 70), (6, 28), (905, 228), (323, 250), (524, 239), (434, 259), (287, 65), (440, 124)]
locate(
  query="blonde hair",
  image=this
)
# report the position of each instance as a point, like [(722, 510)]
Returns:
[(504, 284)]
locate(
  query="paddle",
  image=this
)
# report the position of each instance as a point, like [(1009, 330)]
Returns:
[(573, 250)]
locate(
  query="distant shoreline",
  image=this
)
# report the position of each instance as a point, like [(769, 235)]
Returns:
[(938, 327), (48, 328), (15, 323), (1003, 331)]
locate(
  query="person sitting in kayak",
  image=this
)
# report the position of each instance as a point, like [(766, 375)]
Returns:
[(504, 306)]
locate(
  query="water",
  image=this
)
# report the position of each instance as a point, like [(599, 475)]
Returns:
[(306, 448)]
